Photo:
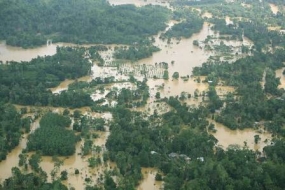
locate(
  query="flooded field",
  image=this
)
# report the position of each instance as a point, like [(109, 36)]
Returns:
[(80, 162), (149, 183), (241, 138), (69, 164), (224, 90)]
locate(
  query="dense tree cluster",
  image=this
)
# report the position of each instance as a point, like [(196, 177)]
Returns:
[(31, 23), (28, 82), (224, 29), (179, 146), (135, 52), (252, 104), (136, 142), (51, 138), (185, 28), (10, 129), (134, 98), (234, 169), (30, 181)]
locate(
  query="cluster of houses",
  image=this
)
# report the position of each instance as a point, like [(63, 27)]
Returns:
[(174, 155)]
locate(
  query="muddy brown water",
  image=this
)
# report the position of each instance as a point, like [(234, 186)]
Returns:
[(70, 163), (274, 8), (9, 53), (149, 183), (77, 161), (64, 85), (279, 74), (12, 159)]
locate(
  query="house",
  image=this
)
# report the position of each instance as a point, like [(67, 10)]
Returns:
[(173, 155), (201, 159)]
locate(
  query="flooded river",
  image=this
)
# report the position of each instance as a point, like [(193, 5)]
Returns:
[(12, 160), (9, 53)]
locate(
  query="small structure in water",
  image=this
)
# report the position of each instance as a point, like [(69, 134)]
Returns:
[(49, 42)]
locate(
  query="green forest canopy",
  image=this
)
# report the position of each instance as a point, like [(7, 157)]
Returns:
[(29, 23)]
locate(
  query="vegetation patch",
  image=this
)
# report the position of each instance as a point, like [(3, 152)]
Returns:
[(52, 137)]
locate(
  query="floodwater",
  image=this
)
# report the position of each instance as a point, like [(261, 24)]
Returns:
[(274, 8), (64, 85), (174, 87), (224, 90), (80, 162), (228, 20), (181, 56), (207, 15), (279, 74), (274, 28), (149, 183), (228, 137), (60, 110), (182, 52), (76, 161), (12, 159), (9, 53)]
